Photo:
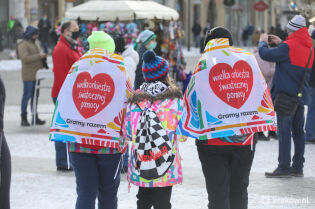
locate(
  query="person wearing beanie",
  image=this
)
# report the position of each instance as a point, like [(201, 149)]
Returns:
[(297, 22), (96, 159), (100, 39), (226, 161), (146, 41), (31, 58), (218, 32), (131, 57), (131, 60), (164, 99), (154, 68), (293, 58)]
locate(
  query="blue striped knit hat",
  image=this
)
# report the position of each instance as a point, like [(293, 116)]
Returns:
[(154, 68)]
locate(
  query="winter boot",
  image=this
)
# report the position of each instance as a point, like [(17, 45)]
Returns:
[(24, 121), (38, 121), (261, 136), (273, 135)]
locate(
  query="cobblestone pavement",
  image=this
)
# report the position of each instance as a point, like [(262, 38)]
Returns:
[(37, 185)]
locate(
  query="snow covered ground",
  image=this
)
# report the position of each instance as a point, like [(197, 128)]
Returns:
[(15, 64), (37, 185)]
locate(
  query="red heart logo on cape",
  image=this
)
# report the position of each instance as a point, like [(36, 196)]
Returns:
[(91, 96), (232, 85)]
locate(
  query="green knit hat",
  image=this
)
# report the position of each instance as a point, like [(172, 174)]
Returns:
[(100, 39)]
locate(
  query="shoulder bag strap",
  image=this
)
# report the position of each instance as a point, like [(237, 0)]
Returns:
[(305, 73)]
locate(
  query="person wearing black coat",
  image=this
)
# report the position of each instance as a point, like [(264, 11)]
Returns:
[(1, 46), (5, 158), (196, 31), (44, 28), (146, 41)]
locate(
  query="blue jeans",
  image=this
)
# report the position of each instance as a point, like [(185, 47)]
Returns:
[(61, 151), (310, 120), (197, 40), (44, 46), (28, 93), (286, 125), (95, 177)]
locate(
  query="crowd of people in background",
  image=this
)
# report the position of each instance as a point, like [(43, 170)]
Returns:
[(153, 55)]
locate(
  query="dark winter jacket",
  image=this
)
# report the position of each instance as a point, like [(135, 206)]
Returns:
[(291, 57), (5, 158), (139, 76), (312, 78), (64, 55), (196, 29), (2, 100), (44, 27)]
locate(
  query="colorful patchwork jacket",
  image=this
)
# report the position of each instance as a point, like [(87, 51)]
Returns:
[(168, 106)]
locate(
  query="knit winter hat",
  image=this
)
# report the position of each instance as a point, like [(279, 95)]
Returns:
[(145, 37), (100, 39), (297, 22), (154, 68), (218, 32), (120, 44)]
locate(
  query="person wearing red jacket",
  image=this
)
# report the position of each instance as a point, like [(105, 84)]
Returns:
[(64, 55), (293, 57)]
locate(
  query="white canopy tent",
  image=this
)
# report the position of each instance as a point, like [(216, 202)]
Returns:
[(123, 10)]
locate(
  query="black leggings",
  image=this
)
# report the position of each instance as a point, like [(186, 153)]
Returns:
[(5, 167), (226, 170), (158, 197)]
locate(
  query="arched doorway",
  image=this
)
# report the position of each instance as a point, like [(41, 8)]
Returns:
[(212, 13)]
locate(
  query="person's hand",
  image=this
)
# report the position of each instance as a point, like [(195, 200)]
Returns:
[(264, 37), (274, 39), (43, 55)]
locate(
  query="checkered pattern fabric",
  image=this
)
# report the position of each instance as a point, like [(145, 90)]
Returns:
[(153, 153)]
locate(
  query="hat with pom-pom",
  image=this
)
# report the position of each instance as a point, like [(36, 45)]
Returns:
[(154, 68)]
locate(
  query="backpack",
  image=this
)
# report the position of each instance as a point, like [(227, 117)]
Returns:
[(153, 152)]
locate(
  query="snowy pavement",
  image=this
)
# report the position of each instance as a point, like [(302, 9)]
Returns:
[(37, 185)]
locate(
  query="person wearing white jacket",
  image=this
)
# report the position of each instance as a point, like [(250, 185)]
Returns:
[(131, 57), (131, 60)]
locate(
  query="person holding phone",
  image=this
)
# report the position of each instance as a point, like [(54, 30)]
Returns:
[(31, 59), (292, 57)]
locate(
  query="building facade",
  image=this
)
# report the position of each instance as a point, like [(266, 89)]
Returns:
[(213, 12)]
